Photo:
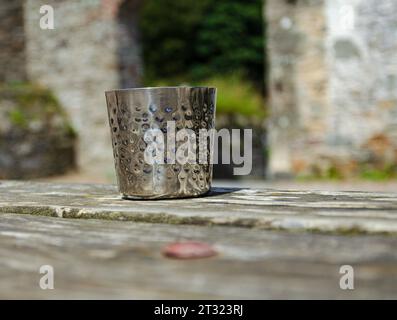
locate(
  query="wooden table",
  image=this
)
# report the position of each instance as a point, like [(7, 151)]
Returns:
[(270, 243)]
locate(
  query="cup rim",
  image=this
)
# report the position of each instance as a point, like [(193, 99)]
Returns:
[(159, 88)]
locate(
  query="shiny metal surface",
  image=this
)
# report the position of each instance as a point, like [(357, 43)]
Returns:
[(134, 111)]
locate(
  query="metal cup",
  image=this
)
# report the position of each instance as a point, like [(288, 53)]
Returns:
[(133, 113)]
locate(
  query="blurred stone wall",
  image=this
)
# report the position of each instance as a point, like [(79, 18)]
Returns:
[(93, 48), (333, 85), (89, 51), (12, 41)]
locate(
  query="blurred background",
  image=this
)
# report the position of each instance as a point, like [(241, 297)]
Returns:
[(316, 80)]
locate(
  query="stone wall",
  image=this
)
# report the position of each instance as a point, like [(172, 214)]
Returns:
[(89, 51), (333, 86), (93, 48), (36, 137), (12, 41)]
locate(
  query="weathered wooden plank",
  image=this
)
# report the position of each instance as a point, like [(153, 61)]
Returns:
[(344, 212), (113, 259)]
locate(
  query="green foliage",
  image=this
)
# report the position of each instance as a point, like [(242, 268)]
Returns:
[(231, 39), (317, 174), (235, 95), (196, 40), (18, 118), (379, 174), (333, 173), (364, 171), (169, 30), (207, 42), (31, 99)]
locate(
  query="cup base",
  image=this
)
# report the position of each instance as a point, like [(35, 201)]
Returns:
[(165, 196)]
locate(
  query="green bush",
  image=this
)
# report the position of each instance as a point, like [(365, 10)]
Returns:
[(169, 30), (234, 95), (195, 40), (388, 171), (231, 38), (237, 96)]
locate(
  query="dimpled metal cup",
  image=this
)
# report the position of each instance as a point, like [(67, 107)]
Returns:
[(134, 111)]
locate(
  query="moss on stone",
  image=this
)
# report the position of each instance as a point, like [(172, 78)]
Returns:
[(36, 136), (29, 102), (18, 118)]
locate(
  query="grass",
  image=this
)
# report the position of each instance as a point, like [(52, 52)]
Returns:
[(365, 171), (374, 174)]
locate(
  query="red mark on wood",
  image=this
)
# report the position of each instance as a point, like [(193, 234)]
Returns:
[(189, 250)]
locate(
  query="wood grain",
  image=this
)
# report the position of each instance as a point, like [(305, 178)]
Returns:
[(270, 243), (111, 259), (330, 212)]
